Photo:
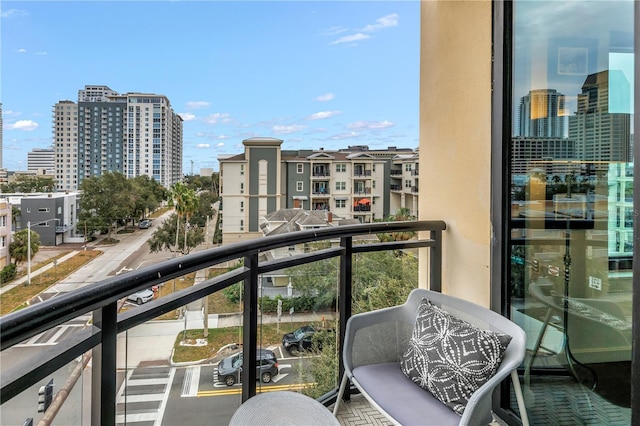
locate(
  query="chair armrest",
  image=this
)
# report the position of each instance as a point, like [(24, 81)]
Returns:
[(376, 337)]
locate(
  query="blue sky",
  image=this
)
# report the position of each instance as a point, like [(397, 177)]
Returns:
[(315, 74)]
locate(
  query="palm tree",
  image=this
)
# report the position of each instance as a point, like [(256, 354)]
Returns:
[(190, 205), (178, 192)]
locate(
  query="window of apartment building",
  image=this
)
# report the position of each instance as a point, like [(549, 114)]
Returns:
[(341, 167), (242, 224), (407, 167), (3, 241), (241, 188), (340, 204), (341, 186), (43, 209), (300, 167), (241, 206), (299, 186), (373, 184), (241, 169), (407, 184), (373, 167), (3, 220)]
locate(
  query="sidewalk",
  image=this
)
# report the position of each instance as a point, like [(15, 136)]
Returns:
[(37, 272)]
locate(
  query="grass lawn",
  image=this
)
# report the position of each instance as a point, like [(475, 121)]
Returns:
[(219, 337), (18, 297)]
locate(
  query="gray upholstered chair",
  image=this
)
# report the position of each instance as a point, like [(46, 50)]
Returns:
[(375, 342)]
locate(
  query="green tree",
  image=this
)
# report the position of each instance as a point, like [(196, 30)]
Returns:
[(165, 237), (19, 247), (105, 200), (148, 194), (30, 183)]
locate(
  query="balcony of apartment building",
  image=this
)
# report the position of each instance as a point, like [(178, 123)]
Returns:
[(321, 171), (395, 172), (362, 170), (132, 348)]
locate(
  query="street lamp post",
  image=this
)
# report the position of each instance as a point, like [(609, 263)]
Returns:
[(28, 252)]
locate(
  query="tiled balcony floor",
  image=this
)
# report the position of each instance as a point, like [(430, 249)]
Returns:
[(359, 412)]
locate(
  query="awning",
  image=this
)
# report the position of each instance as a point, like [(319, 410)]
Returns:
[(300, 197), (364, 201)]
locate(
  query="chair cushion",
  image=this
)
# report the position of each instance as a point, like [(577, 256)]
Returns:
[(402, 400), (449, 357)]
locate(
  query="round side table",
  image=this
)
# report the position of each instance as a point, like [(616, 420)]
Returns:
[(283, 409)]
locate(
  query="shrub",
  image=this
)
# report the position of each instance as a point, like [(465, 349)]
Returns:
[(8, 273)]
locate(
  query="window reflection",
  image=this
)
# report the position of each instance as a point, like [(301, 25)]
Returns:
[(572, 203)]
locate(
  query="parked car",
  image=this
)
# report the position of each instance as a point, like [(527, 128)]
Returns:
[(140, 297), (229, 369), (144, 224), (305, 338)]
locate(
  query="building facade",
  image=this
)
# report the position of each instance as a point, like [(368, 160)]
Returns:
[(5, 232), (53, 216), (403, 186), (41, 161), (133, 134), (352, 184), (542, 114)]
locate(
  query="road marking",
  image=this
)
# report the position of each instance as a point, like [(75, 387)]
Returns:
[(237, 390), (163, 405), (191, 382)]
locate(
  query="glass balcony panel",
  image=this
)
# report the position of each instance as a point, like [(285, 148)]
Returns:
[(71, 410)]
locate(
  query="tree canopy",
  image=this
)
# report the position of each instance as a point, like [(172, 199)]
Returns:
[(19, 247), (29, 183), (111, 197)]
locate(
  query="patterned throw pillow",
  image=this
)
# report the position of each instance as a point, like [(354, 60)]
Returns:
[(450, 357)]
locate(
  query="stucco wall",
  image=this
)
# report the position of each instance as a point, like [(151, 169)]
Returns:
[(455, 140)]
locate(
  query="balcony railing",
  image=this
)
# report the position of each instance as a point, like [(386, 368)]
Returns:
[(102, 298)]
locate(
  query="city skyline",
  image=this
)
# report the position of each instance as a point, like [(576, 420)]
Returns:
[(316, 74)]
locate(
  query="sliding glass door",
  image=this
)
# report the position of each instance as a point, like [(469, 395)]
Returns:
[(571, 207)]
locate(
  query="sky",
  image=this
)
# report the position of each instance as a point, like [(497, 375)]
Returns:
[(316, 74)]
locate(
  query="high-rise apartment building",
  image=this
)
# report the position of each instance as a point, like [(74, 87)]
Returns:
[(600, 135), (65, 144), (41, 161), (542, 114), (133, 134)]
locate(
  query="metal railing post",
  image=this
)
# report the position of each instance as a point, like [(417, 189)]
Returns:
[(250, 320), (435, 262), (103, 389), (344, 301)]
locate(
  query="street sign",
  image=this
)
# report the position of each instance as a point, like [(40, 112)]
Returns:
[(554, 270)]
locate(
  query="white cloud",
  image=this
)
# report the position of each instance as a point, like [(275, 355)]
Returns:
[(323, 114), (22, 50), (280, 130), (375, 125), (217, 117), (334, 31), (26, 125), (220, 145), (12, 13), (326, 97), (386, 21), (351, 38), (348, 135), (198, 104), (223, 137), (187, 116), (203, 145), (11, 113), (41, 53)]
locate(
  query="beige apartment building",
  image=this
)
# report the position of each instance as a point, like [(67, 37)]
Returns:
[(352, 183), (5, 232)]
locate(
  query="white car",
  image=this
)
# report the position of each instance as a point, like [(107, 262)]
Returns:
[(140, 297)]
